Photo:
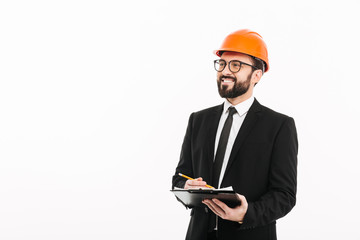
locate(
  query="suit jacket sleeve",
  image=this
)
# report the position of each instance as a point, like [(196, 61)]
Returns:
[(281, 195), (185, 162)]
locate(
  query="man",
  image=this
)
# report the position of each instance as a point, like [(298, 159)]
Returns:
[(242, 144)]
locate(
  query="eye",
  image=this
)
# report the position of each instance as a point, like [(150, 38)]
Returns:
[(236, 64)]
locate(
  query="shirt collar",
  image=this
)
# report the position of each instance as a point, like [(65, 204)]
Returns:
[(241, 108)]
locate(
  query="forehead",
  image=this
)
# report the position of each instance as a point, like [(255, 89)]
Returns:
[(236, 56)]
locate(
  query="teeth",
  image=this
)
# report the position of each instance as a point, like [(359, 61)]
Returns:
[(228, 81)]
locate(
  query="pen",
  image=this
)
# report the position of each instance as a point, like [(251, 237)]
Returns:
[(182, 175)]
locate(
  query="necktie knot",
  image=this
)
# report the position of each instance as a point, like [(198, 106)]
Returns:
[(232, 111)]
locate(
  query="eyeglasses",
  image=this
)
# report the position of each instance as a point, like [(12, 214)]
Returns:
[(234, 65)]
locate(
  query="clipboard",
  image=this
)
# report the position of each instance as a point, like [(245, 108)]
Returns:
[(193, 197)]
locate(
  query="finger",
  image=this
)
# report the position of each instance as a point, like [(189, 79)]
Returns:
[(211, 205), (199, 179), (217, 208), (196, 183), (221, 205), (213, 210)]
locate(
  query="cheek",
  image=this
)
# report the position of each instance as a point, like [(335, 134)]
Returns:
[(239, 77), (242, 76)]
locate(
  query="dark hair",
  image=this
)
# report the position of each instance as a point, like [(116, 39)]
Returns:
[(258, 63)]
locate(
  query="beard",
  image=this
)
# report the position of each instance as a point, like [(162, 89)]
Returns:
[(238, 89)]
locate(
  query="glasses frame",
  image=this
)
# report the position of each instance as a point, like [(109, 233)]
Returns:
[(228, 63)]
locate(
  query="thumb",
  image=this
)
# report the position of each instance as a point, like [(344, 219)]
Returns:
[(199, 179)]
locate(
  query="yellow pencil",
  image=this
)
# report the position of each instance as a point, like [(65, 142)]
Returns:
[(193, 179)]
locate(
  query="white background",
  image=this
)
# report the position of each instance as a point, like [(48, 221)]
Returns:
[(95, 98)]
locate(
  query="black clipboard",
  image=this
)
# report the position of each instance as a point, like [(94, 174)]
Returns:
[(193, 197)]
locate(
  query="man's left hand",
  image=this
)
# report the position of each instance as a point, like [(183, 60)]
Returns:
[(236, 214)]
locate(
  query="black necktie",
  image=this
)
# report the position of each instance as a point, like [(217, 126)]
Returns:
[(219, 159), (220, 152)]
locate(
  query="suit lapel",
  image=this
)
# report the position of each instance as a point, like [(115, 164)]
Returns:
[(213, 121), (246, 127)]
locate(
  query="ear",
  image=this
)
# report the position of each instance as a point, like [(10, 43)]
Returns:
[(256, 76)]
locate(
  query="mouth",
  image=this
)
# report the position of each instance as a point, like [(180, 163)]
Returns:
[(227, 80)]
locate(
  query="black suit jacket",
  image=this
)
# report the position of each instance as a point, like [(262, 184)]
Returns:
[(262, 167)]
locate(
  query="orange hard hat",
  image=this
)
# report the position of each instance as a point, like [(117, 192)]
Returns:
[(247, 42)]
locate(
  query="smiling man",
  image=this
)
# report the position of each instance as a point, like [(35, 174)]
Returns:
[(242, 144)]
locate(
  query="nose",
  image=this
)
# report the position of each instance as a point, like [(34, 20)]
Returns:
[(226, 70)]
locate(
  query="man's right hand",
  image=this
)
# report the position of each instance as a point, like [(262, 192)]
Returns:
[(195, 184)]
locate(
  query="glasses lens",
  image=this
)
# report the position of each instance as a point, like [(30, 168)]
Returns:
[(235, 66), (219, 65)]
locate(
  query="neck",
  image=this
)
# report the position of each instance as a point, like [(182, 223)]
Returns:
[(240, 99)]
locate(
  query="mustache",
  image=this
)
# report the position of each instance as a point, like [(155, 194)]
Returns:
[(231, 77)]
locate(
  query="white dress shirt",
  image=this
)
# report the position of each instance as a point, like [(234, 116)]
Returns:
[(238, 118)]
